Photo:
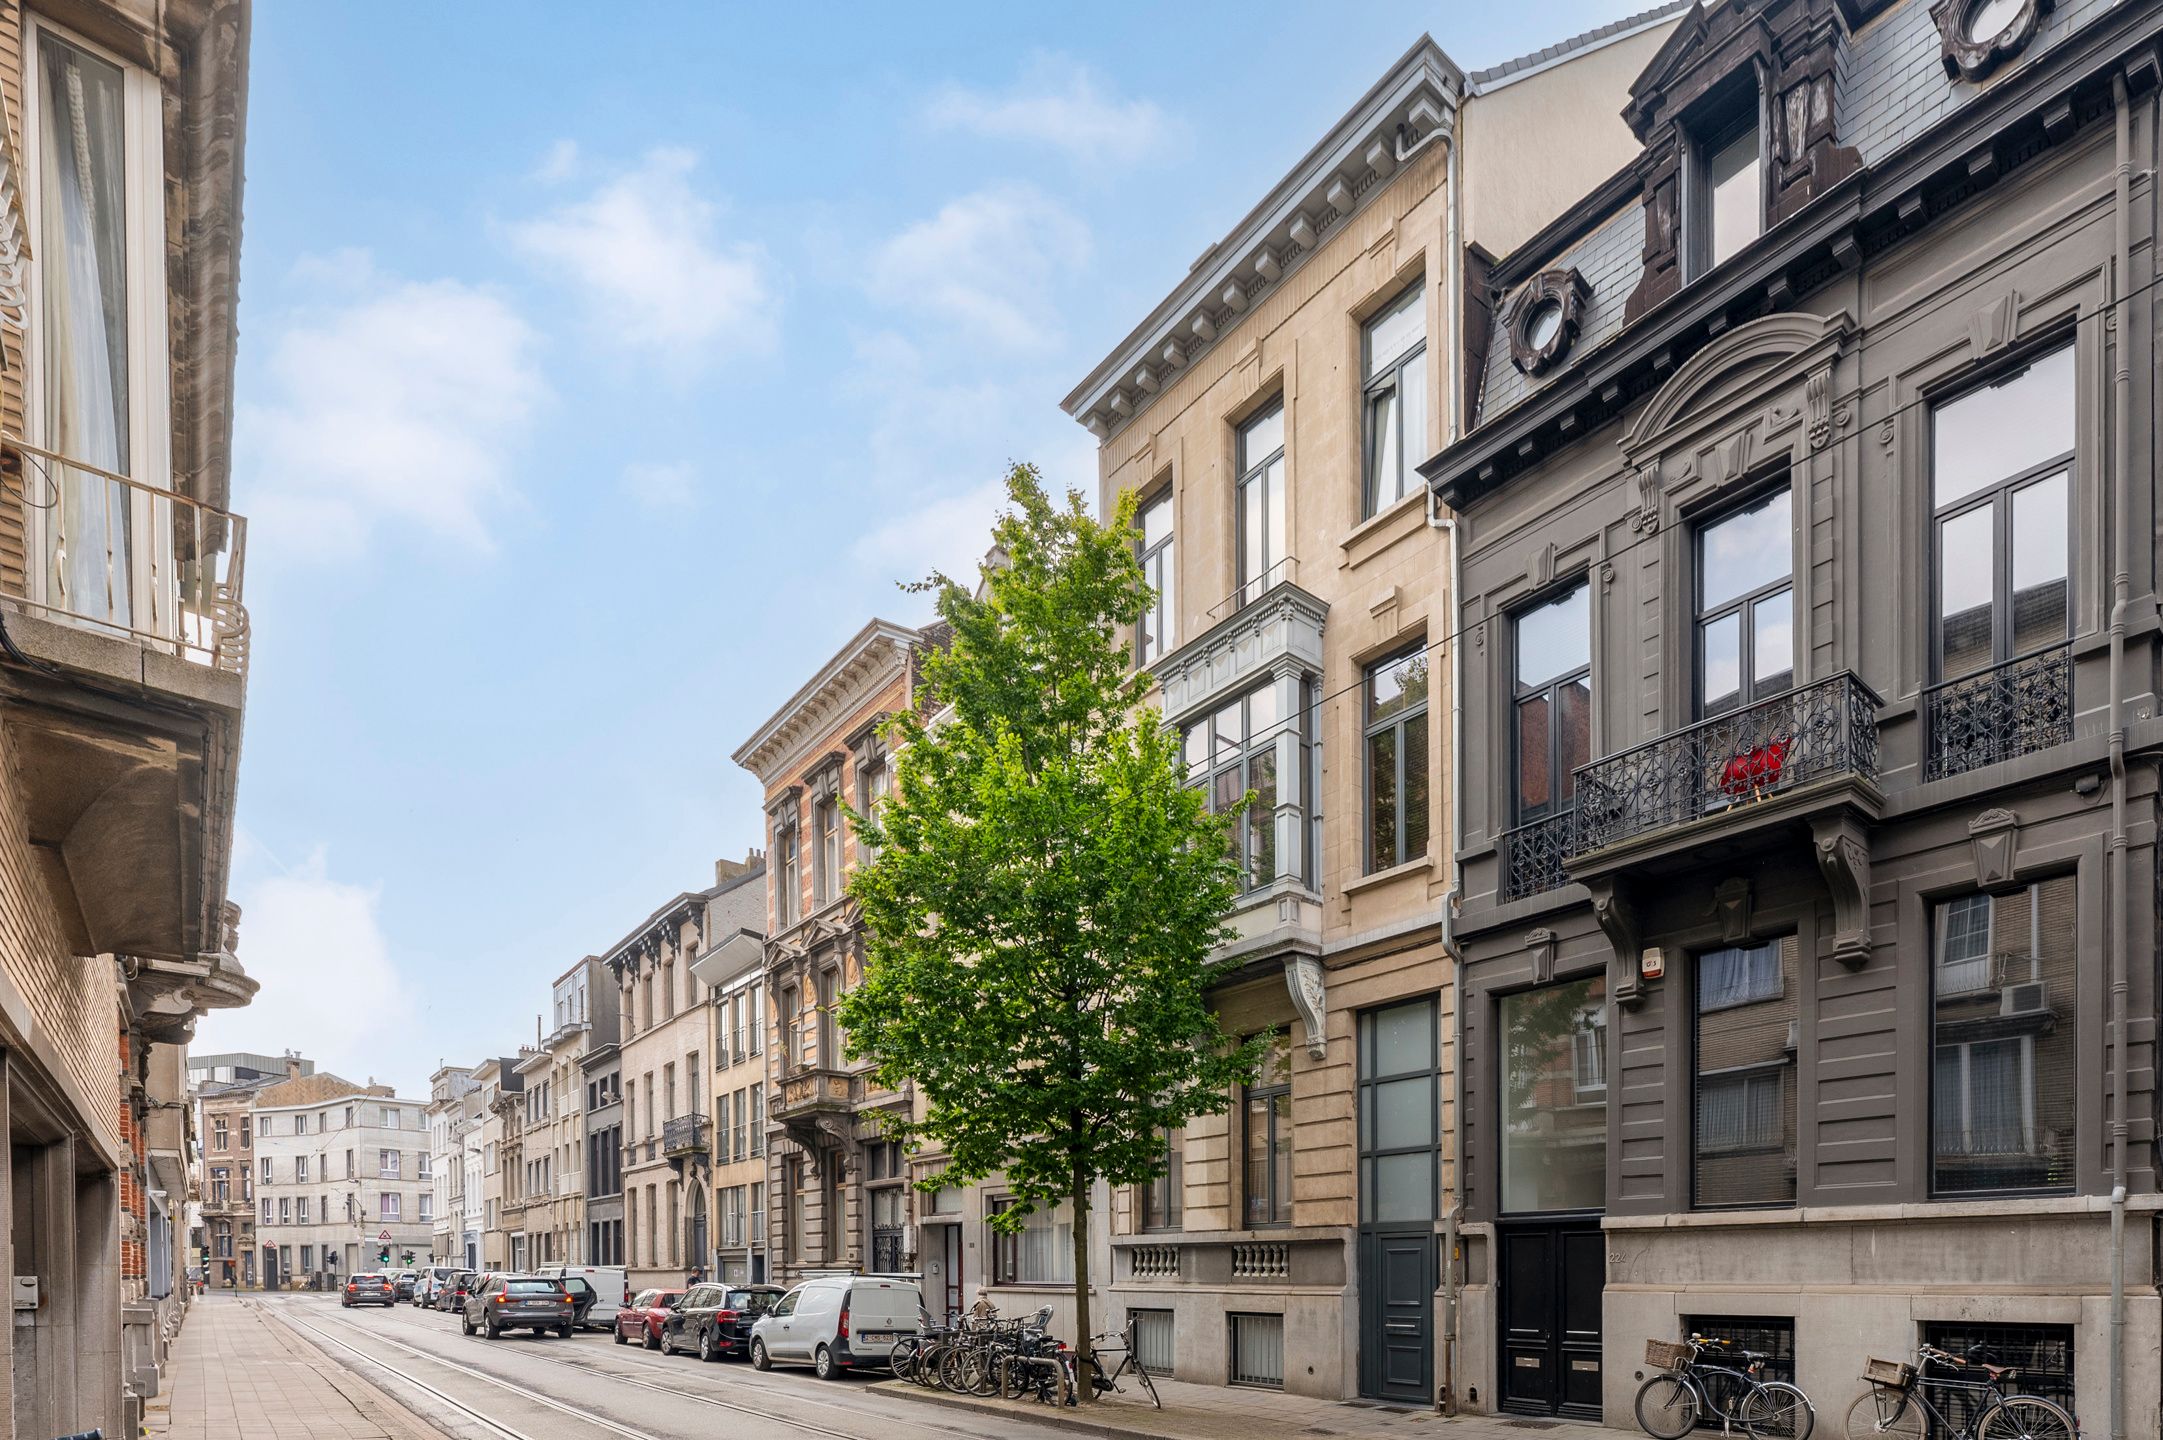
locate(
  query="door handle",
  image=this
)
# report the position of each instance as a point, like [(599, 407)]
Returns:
[(1402, 1329)]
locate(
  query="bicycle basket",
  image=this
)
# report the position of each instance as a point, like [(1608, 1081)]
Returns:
[(1666, 1354), (1895, 1373)]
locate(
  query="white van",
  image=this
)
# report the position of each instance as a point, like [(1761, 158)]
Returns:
[(611, 1289), (835, 1323)]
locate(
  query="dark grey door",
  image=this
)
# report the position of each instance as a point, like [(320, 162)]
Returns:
[(1396, 1286), (1553, 1278)]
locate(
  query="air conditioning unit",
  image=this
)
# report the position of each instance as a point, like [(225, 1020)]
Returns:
[(2023, 999)]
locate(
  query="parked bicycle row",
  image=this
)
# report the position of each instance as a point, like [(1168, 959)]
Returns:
[(1710, 1382)]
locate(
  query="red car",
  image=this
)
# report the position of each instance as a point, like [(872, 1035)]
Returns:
[(641, 1319)]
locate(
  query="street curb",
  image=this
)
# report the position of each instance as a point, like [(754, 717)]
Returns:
[(1042, 1415)]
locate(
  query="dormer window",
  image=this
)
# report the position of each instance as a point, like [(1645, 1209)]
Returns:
[(1730, 188), (1979, 36)]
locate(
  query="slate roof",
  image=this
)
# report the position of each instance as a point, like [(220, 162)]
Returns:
[(1563, 49), (1890, 88)]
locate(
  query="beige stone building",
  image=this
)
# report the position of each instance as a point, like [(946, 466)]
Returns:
[(554, 1144), (498, 1136), (1268, 416), (732, 966), (124, 673)]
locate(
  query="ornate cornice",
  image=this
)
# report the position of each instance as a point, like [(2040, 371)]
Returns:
[(874, 657), (1413, 105), (1284, 626)]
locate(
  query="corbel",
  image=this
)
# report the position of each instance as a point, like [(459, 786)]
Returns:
[(1731, 902), (1303, 977), (1843, 855), (1615, 912), (1994, 837)]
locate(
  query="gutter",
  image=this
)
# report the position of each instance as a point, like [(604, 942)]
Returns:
[(2121, 464)]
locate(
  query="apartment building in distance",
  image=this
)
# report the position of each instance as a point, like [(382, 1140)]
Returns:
[(224, 1087), (503, 1145), (1809, 802), (1269, 415), (124, 676), (601, 1070), (666, 1062), (555, 1138), (448, 1120), (733, 968), (342, 1175)]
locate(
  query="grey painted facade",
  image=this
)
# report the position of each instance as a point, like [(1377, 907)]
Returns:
[(1976, 232)]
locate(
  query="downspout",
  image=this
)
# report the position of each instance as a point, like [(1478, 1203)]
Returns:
[(1453, 330), (2121, 598)]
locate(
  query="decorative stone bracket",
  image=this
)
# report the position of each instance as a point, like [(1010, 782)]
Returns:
[(1303, 976), (1843, 855), (1616, 914)]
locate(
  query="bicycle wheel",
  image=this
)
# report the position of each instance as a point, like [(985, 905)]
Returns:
[(1149, 1385), (1666, 1408), (951, 1370), (1882, 1411), (983, 1372), (2024, 1417), (902, 1360), (1777, 1410)]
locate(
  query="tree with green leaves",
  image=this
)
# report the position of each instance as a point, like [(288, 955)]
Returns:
[(1047, 888)]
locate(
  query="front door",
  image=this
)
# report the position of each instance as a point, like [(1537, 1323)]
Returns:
[(1553, 1275), (942, 1286), (1396, 1288)]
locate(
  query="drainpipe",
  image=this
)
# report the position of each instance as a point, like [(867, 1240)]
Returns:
[(2121, 598)]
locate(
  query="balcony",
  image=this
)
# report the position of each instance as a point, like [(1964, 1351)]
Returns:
[(129, 613), (2007, 711), (1769, 762), (683, 1137), (816, 1106), (1534, 856)]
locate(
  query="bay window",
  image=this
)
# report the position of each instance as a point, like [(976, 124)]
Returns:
[(1231, 753)]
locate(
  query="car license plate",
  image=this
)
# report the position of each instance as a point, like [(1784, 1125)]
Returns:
[(877, 1337)]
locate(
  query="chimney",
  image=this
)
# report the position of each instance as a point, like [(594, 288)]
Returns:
[(727, 870), (292, 1067)]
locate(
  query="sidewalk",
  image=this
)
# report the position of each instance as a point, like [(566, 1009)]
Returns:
[(237, 1374), (1223, 1412)]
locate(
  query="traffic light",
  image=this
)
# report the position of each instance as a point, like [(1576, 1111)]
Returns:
[(383, 1256), (408, 1258)]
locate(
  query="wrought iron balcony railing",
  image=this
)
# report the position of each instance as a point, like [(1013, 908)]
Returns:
[(2009, 710), (107, 552), (1813, 732), (1533, 855), (684, 1135)]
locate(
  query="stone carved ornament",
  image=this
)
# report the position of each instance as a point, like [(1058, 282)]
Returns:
[(1978, 36), (1544, 322)]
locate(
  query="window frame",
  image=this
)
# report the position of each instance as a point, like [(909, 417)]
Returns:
[(1160, 560), (1237, 760), (1397, 723), (1550, 690), (1253, 472), (1277, 1208), (1778, 1070), (1999, 495), (1707, 136), (1374, 386), (1742, 608), (1159, 1205), (788, 876)]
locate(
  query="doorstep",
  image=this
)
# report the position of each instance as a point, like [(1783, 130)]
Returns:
[(1224, 1412)]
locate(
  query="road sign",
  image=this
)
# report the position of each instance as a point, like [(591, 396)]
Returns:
[(384, 1236)]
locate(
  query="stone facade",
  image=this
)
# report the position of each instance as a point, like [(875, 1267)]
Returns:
[(338, 1166), (1813, 998)]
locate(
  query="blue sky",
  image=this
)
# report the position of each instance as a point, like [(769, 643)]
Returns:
[(602, 369)]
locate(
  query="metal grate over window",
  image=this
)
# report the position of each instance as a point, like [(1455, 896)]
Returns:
[(1258, 1350), (1152, 1340), (1772, 1336), (2042, 1356)]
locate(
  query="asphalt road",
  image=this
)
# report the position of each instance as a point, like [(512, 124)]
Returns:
[(526, 1387)]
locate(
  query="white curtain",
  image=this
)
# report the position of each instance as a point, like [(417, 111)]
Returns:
[(81, 240)]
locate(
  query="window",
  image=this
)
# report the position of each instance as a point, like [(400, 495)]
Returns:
[(1269, 1139), (97, 346), (826, 861), (300, 1169), (300, 1124), (264, 1128), (1727, 193), (1393, 405), (2001, 489), (787, 885), (428, 1206), (266, 1210), (1397, 761), (2002, 1081), (1152, 1340), (1161, 1198), (2039, 1360), (1157, 633), (1231, 753), (1041, 1252), (758, 1019), (266, 1170), (220, 1135), (874, 783), (387, 1164), (1746, 605), (1258, 1350), (300, 1211), (758, 1120), (1261, 506), (387, 1205), (1745, 1001), (1398, 1109), (1553, 703), (244, 1127), (1554, 1124), (285, 1210)]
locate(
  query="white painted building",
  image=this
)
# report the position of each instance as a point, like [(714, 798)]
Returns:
[(343, 1173)]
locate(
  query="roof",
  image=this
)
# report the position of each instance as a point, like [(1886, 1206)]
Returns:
[(809, 714), (314, 1090), (1496, 76), (1415, 100)]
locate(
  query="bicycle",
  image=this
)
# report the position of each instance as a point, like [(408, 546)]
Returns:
[(1671, 1404), (1898, 1402), (1108, 1380)]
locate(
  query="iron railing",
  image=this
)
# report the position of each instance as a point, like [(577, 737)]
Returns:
[(2009, 710), (683, 1135), (1814, 732), (112, 553), (1533, 855)]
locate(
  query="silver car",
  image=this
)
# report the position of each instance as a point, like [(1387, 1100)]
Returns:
[(518, 1302)]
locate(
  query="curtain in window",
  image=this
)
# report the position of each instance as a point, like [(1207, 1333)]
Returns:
[(81, 230), (1738, 977)]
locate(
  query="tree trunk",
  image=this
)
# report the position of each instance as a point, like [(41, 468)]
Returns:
[(1085, 1390)]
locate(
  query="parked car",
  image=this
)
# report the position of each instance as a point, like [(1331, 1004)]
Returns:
[(611, 1291), (368, 1288), (405, 1282), (836, 1323), (431, 1284), (715, 1320), (518, 1302), (641, 1319), (452, 1297)]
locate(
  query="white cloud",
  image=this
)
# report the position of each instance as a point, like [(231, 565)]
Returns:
[(559, 164), (986, 266), (316, 946), (389, 402), (1057, 101), (642, 257), (661, 487)]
